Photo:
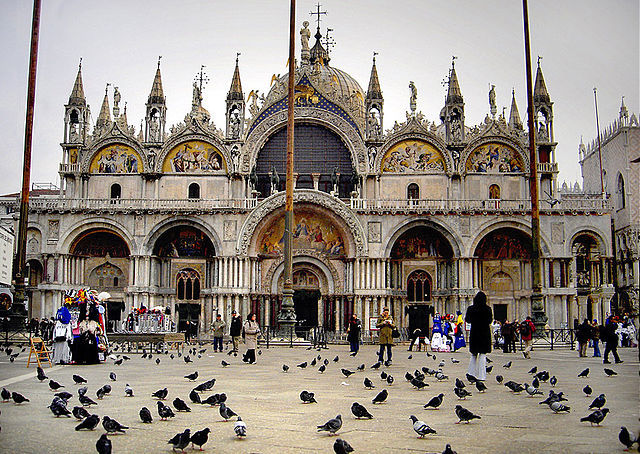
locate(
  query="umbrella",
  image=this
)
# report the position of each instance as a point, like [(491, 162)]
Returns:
[(102, 296)]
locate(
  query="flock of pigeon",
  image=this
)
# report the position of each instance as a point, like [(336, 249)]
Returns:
[(556, 401)]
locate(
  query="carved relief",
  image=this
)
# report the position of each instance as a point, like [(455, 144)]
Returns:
[(335, 275), (229, 230), (54, 228), (374, 232)]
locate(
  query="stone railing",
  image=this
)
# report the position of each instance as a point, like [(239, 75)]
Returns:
[(547, 167), (493, 205), (57, 204), (69, 168)]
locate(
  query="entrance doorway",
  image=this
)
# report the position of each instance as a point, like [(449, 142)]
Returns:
[(306, 306), (500, 312), (114, 315), (419, 318), (188, 312)]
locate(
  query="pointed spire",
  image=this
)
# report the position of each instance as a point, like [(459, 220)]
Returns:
[(624, 113), (235, 91), (454, 94), (540, 93), (374, 91), (318, 53), (157, 93), (104, 118), (77, 94), (514, 115)]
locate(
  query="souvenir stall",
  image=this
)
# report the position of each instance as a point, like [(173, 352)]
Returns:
[(88, 323)]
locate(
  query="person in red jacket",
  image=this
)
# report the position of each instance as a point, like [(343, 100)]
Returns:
[(527, 328)]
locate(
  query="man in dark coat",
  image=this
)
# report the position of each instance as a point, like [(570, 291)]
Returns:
[(611, 342), (235, 331), (583, 334), (479, 315)]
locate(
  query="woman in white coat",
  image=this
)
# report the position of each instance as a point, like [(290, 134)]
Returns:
[(251, 332), (62, 336)]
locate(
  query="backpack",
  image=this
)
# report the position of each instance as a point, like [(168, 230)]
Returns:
[(525, 329)]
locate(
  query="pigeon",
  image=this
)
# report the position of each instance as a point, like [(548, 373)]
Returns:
[(448, 450), (508, 365), (454, 361), (79, 412), (346, 372), (82, 391), (408, 376), (533, 370), (89, 423), (441, 364), (307, 397), (106, 389), (460, 383), (499, 378), (112, 376), (543, 376), (381, 397), (200, 437), (609, 372), (383, 375), (340, 446), (211, 400), (187, 359), (361, 367), (331, 426), (194, 397), (322, 368), (226, 412), (118, 362), (532, 390), (181, 440), (336, 359), (164, 411), (584, 373), (145, 415), (64, 395), (41, 375), (410, 357), (418, 383), (464, 415), (6, 395), (553, 381), (302, 365), (626, 438), (435, 402), (325, 362), (54, 385), (368, 383), (285, 368), (514, 387), (180, 405), (598, 402), (161, 394), (240, 428), (100, 393), (359, 411), (596, 417), (18, 398), (103, 445), (535, 383), (314, 362), (158, 361), (461, 393), (86, 400), (390, 379), (488, 369), (558, 407), (59, 408), (471, 379), (420, 427), (112, 426), (587, 390), (128, 390), (441, 376), (376, 365), (192, 377), (480, 386)]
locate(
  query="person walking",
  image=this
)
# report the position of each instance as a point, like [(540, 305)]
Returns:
[(595, 337), (353, 334), (610, 339), (385, 338), (251, 331), (508, 336), (235, 331), (62, 337), (187, 331), (218, 327), (583, 334), (479, 315), (527, 328), (416, 336)]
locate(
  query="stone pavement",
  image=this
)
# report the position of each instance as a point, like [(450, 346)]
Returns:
[(267, 399)]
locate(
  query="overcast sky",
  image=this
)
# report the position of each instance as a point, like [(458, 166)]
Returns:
[(584, 43)]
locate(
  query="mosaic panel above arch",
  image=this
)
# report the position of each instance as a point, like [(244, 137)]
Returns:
[(494, 157), (114, 158), (504, 244), (194, 156), (311, 231), (413, 156)]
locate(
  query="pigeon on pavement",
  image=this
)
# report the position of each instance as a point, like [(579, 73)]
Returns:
[(41, 375), (240, 428), (533, 370), (194, 397), (77, 379), (584, 373), (610, 372), (587, 390), (112, 376), (181, 440), (435, 401), (553, 381), (464, 415), (340, 446), (420, 427), (200, 437), (59, 408), (368, 383), (381, 397), (322, 368), (145, 415), (331, 426), (558, 407), (596, 417), (359, 411), (346, 372), (164, 411), (508, 365), (112, 426), (598, 402), (480, 386), (86, 400), (418, 383), (79, 412), (103, 445), (82, 391), (531, 390), (307, 397), (128, 390), (6, 395), (54, 385), (161, 394), (460, 383), (302, 365), (285, 368), (499, 378), (448, 450), (226, 412), (89, 423), (626, 438), (180, 405), (461, 393), (192, 376)]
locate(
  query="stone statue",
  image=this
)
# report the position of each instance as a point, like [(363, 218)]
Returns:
[(74, 136), (253, 179), (152, 160), (373, 151), (253, 99), (116, 101), (234, 124), (542, 133), (305, 35), (355, 182), (374, 125), (413, 99), (275, 180), (235, 158), (456, 130), (154, 130), (492, 100), (335, 179), (197, 96)]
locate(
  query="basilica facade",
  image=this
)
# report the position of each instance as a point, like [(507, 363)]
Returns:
[(417, 217)]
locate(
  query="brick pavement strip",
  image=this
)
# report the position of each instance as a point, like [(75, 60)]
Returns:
[(278, 422)]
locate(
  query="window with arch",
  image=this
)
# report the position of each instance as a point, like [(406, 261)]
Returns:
[(419, 287), (116, 191), (188, 284), (413, 191), (494, 191), (620, 190), (194, 191)]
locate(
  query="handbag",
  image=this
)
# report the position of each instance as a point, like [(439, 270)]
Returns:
[(395, 332)]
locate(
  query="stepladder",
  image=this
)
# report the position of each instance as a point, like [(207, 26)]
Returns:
[(39, 352)]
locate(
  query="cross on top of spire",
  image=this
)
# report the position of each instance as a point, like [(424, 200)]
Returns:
[(318, 13), (329, 42), (201, 78), (159, 57)]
